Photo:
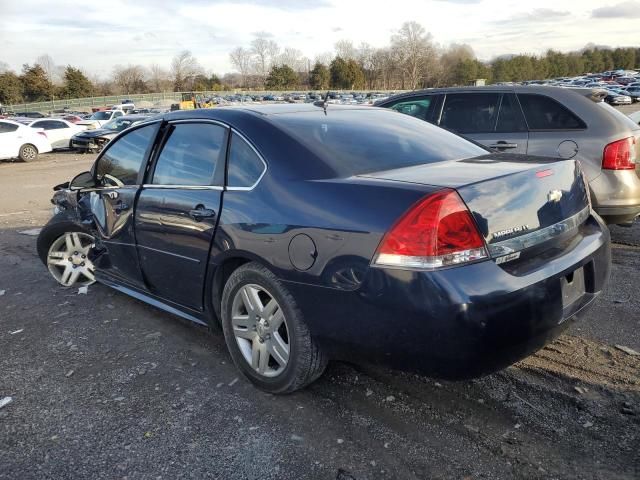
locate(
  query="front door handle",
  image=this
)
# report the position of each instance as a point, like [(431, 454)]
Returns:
[(502, 144), (200, 213)]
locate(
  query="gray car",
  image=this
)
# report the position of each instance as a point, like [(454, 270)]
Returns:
[(548, 121)]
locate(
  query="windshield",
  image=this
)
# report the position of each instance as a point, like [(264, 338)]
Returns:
[(100, 116), (118, 124)]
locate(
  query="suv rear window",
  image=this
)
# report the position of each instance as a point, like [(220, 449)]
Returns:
[(544, 113), (359, 141)]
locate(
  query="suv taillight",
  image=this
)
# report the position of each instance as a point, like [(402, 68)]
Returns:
[(438, 231), (620, 155)]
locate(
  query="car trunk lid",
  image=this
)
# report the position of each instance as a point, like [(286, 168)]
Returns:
[(517, 201)]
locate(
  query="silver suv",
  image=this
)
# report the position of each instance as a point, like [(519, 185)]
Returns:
[(547, 121)]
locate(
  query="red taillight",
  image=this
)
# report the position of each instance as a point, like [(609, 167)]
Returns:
[(620, 155), (437, 231)]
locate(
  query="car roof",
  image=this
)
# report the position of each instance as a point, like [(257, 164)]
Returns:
[(12, 122)]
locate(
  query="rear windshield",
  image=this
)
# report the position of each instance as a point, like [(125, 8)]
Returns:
[(355, 142)]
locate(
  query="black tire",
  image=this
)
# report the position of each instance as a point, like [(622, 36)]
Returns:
[(28, 153), (306, 360), (57, 226)]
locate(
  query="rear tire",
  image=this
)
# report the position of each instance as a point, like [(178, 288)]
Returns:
[(28, 153), (274, 329)]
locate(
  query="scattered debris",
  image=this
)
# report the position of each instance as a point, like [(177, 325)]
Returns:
[(387, 444), (340, 441), (16, 331), (517, 426), (2, 292), (148, 434), (296, 438), (219, 385), (233, 382), (628, 351), (83, 290), (471, 428), (438, 385), (69, 373), (390, 398), (151, 336), (581, 390), (34, 232), (118, 399), (5, 401), (587, 424), (253, 428), (368, 393), (344, 475)]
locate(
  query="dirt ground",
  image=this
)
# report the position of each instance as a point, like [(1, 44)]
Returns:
[(106, 387)]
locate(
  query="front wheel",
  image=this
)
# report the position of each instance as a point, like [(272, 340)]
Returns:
[(28, 153), (266, 334), (64, 248)]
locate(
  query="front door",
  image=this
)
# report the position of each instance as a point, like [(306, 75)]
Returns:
[(119, 170), (177, 211), (9, 140)]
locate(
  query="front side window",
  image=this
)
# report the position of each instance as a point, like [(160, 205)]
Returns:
[(190, 155), (416, 107), (470, 112), (544, 113), (245, 167), (121, 162)]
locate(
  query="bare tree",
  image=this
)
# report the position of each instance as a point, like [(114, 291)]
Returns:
[(129, 79), (159, 78), (346, 50), (324, 58), (265, 52), (241, 59), (49, 66), (415, 51), (293, 58), (184, 69)]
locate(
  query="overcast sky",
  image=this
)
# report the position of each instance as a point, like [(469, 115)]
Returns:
[(96, 35)]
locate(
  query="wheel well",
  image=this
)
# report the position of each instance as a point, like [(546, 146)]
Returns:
[(220, 277)]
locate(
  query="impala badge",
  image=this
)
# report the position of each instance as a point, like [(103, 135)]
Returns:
[(511, 231), (554, 195)]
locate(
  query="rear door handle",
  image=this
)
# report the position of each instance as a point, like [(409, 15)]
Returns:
[(200, 213), (502, 144)]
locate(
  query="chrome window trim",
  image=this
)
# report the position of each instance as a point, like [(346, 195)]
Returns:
[(247, 189), (183, 187), (534, 238), (198, 120)]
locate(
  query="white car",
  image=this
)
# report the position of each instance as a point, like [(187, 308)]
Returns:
[(98, 119), (21, 141), (59, 132)]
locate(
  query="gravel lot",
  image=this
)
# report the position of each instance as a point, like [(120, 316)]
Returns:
[(104, 386)]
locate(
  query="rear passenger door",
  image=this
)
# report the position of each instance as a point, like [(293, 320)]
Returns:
[(178, 209), (493, 119), (9, 141), (554, 130), (57, 132)]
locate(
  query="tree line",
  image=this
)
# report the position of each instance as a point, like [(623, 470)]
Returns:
[(411, 60)]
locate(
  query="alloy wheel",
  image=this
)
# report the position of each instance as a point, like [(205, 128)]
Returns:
[(29, 152), (260, 328), (68, 259)]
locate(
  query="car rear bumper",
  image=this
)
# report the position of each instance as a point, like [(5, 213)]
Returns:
[(616, 195), (460, 322)]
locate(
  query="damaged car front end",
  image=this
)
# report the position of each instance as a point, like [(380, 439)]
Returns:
[(95, 140)]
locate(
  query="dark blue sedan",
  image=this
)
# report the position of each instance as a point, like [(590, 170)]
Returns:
[(354, 233)]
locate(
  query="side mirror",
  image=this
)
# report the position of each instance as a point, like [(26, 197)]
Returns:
[(82, 180)]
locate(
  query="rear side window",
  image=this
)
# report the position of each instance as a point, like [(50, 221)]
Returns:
[(7, 127), (419, 107), (470, 112), (48, 125), (510, 117), (190, 155), (121, 162), (245, 166), (544, 113)]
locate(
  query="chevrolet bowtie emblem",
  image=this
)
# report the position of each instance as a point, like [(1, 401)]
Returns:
[(554, 195)]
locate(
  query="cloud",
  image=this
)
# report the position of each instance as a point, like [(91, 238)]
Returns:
[(536, 15), (620, 10)]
